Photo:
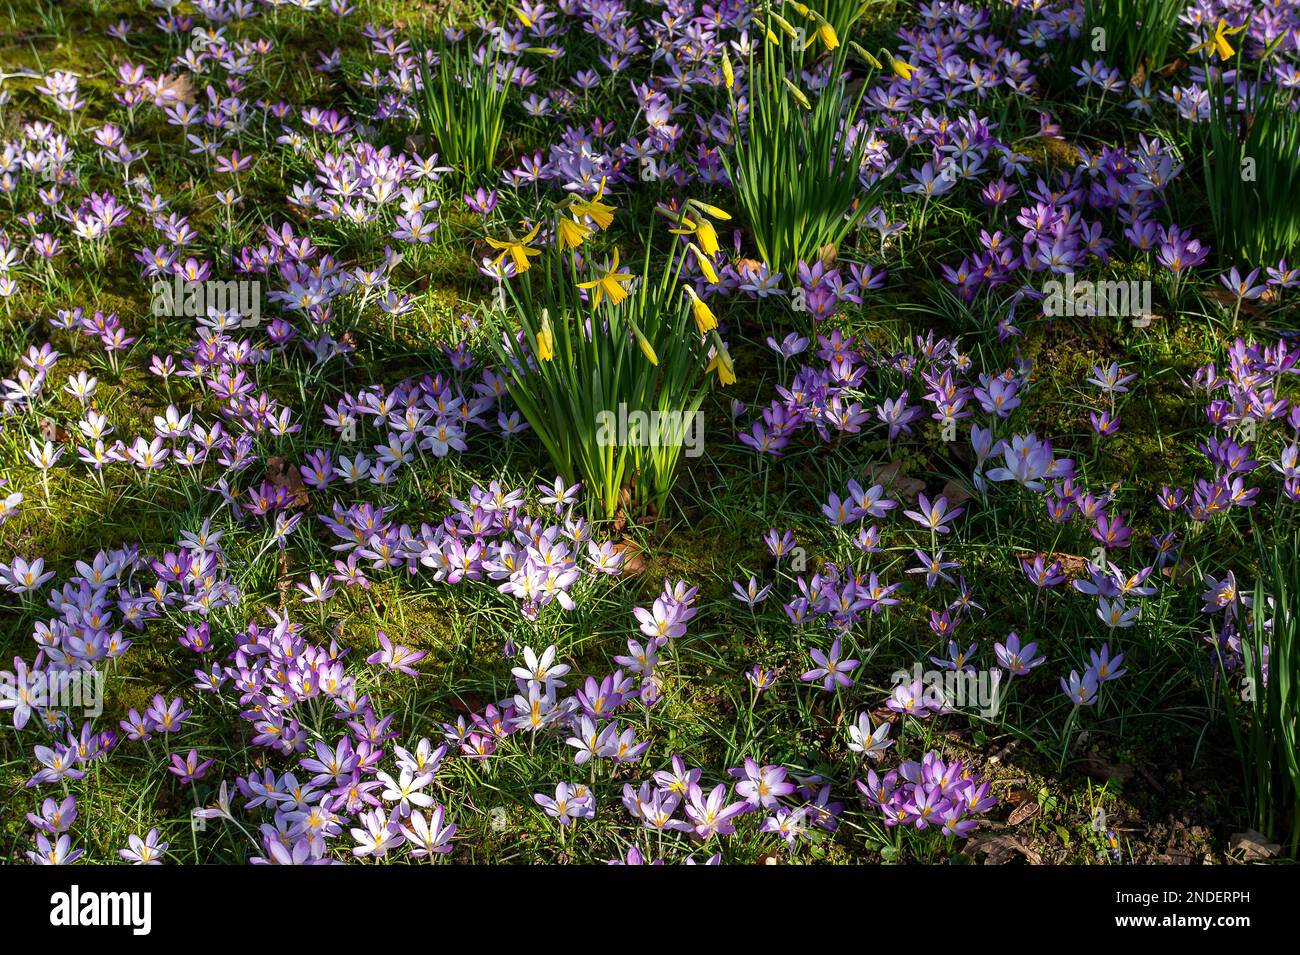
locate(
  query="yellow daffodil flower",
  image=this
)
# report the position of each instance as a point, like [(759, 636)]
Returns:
[(572, 232), (707, 237), (706, 245), (728, 74), (902, 69), (609, 285), (1217, 44), (518, 250), (705, 263), (721, 363), (826, 33), (595, 210), (705, 320)]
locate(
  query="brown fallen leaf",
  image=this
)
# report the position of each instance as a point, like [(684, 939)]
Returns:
[(1026, 810), (1228, 299), (1180, 574), (283, 474), (173, 88), (1000, 848), (890, 477), (955, 493), (1167, 71), (633, 560), (1072, 565), (51, 430), (466, 703), (1254, 845), (1101, 769)]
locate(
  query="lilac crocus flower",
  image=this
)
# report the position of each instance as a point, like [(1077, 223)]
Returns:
[(712, 814), (830, 669), (394, 656), (1016, 658), (761, 786)]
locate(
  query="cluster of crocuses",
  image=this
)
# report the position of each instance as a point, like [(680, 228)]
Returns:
[(275, 670), (958, 63), (282, 681), (585, 718), (489, 538), (845, 595), (52, 824), (1244, 399), (946, 795), (826, 395), (791, 807), (686, 47), (85, 631)]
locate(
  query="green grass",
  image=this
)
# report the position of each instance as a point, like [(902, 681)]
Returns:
[(1164, 723)]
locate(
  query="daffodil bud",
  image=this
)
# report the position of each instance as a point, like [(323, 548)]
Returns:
[(545, 338), (865, 54), (785, 25), (646, 348), (799, 95)]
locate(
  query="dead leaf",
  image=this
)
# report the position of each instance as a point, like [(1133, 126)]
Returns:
[(1254, 845), (1072, 565), (1026, 810), (889, 477), (282, 474), (633, 561), (955, 493), (1098, 768), (1179, 574), (171, 89), (1167, 71), (1000, 848), (466, 703), (51, 430)]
